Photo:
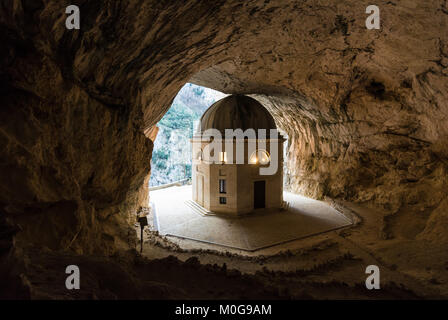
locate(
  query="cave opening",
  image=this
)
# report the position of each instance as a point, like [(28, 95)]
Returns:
[(171, 157), (365, 112)]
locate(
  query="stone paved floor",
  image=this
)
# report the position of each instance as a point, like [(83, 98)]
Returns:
[(306, 217)]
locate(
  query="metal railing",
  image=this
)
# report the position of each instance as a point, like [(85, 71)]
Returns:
[(172, 184)]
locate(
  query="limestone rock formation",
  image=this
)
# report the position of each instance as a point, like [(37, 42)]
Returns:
[(365, 110)]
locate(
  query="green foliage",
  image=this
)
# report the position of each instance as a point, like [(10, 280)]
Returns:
[(171, 158), (167, 166), (178, 117), (198, 91), (160, 157)]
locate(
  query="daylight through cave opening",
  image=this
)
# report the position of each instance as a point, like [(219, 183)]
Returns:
[(237, 167), (365, 112), (171, 157)]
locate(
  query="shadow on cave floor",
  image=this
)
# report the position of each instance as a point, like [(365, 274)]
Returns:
[(129, 276), (328, 266), (336, 257)]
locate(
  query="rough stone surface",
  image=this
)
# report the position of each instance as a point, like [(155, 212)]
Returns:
[(365, 110)]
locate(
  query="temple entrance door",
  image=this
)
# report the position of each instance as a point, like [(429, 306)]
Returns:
[(259, 194), (200, 190)]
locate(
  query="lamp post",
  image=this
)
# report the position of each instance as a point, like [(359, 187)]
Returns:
[(143, 221)]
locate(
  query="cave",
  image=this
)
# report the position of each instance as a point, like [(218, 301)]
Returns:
[(234, 197), (365, 111)]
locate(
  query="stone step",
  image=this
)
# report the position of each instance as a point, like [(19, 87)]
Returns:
[(195, 208), (198, 209), (285, 205)]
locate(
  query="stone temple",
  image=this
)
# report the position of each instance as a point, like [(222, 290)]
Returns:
[(225, 186), (365, 112)]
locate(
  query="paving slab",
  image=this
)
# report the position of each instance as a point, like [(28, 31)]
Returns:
[(304, 218)]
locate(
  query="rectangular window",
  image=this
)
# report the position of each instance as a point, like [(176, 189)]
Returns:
[(222, 186), (222, 200), (223, 156)]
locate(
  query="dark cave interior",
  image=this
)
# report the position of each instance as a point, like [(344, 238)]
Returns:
[(365, 111)]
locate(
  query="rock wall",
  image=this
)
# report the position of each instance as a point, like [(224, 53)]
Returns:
[(73, 167), (365, 110)]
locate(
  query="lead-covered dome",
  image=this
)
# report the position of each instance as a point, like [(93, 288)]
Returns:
[(237, 112)]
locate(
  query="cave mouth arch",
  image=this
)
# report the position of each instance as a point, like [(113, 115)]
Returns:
[(171, 204), (171, 157), (337, 150), (365, 111)]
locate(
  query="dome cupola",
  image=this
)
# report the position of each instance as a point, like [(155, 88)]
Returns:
[(237, 112)]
